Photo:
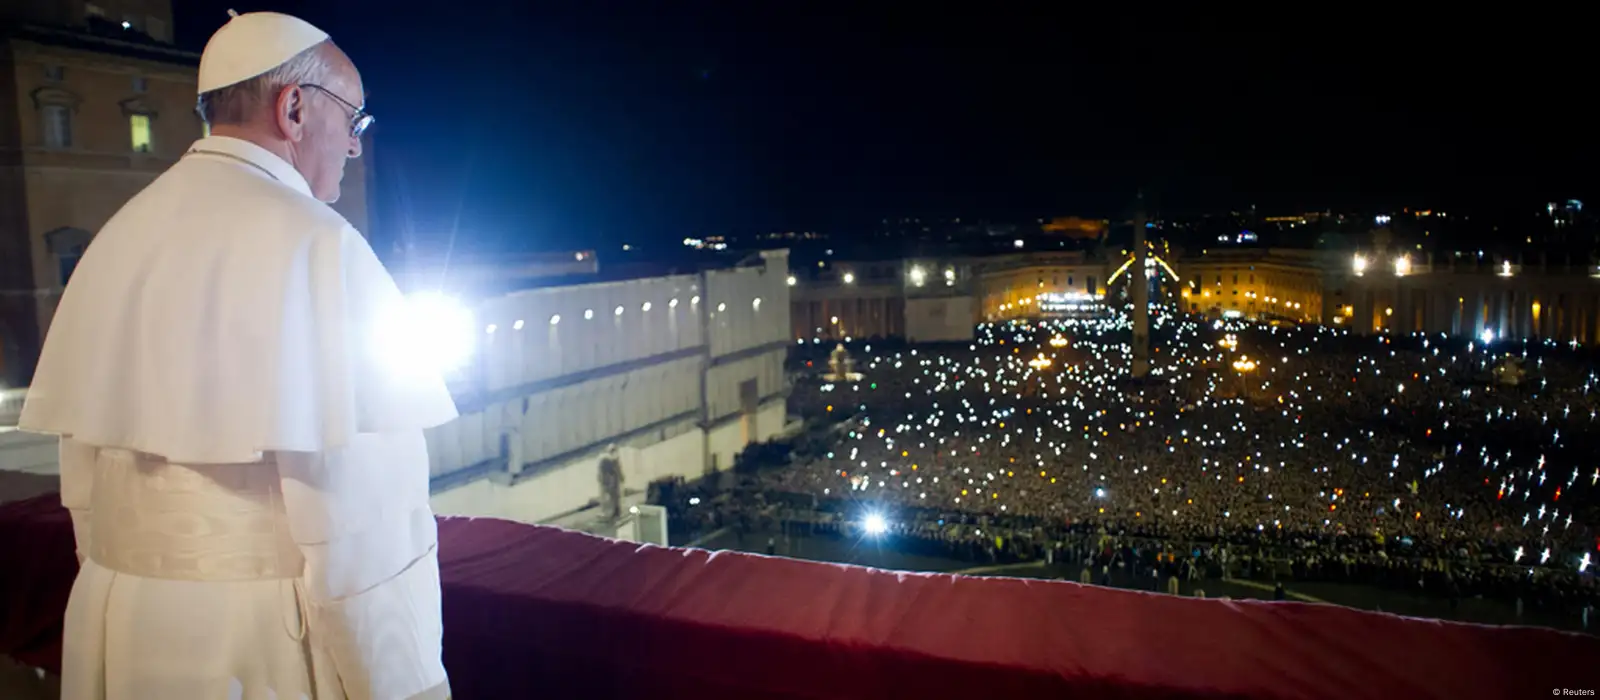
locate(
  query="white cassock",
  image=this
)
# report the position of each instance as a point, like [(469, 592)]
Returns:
[(243, 460)]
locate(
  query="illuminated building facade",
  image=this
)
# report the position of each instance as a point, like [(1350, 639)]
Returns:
[(1260, 283), (1456, 294), (1464, 294), (845, 300), (933, 299), (1384, 290), (1008, 286), (95, 102)]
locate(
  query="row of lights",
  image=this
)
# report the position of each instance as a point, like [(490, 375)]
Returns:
[(1253, 295), (588, 314), (1359, 265), (919, 277), (1402, 266)]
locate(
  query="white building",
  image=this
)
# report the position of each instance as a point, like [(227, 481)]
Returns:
[(679, 372)]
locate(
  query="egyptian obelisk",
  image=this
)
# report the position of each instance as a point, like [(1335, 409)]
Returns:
[(1141, 294)]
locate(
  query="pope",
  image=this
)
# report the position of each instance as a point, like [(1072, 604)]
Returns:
[(242, 457)]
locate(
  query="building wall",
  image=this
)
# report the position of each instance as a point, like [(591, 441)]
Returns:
[(1254, 289), (1466, 296), (19, 329), (28, 453), (1011, 291), (875, 304), (542, 334), (939, 319), (571, 484), (48, 190), (837, 312), (1554, 302), (725, 440), (679, 388)]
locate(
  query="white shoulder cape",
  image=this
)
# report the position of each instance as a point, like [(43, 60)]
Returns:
[(223, 313)]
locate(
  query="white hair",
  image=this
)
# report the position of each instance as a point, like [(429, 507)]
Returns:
[(239, 102)]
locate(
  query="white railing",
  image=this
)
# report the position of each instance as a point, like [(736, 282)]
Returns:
[(11, 406)]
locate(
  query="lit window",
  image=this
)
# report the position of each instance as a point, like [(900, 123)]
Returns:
[(139, 124)]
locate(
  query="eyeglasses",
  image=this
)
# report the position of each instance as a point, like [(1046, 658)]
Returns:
[(360, 121)]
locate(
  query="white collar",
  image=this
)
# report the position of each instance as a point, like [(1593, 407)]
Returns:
[(252, 154)]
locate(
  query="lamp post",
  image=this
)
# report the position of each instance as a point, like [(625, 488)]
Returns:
[(1244, 366)]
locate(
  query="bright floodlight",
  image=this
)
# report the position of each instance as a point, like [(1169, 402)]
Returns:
[(433, 332), (918, 276), (1402, 266), (1359, 264), (1487, 336), (874, 524)]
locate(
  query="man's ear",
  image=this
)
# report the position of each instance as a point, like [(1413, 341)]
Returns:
[(290, 112)]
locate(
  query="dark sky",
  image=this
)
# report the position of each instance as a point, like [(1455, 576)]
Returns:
[(587, 122)]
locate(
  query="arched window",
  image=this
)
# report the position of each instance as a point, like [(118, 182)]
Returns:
[(56, 108)]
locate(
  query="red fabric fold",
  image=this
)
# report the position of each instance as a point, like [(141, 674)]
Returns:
[(535, 611)]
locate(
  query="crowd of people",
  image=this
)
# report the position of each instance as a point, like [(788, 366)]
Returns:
[(1455, 465)]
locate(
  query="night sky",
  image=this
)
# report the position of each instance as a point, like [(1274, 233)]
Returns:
[(597, 123)]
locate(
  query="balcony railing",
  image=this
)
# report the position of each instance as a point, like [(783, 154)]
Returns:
[(530, 611)]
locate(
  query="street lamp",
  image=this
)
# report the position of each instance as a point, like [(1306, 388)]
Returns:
[(1244, 366)]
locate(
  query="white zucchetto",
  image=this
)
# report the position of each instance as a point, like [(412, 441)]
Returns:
[(251, 44)]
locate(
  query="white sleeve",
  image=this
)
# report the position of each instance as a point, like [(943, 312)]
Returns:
[(77, 489), (360, 516)]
